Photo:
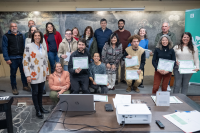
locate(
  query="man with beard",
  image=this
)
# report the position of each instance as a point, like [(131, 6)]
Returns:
[(13, 48), (123, 38), (79, 77)]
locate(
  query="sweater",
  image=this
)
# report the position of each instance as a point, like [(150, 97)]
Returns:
[(186, 54), (123, 38), (102, 37), (56, 82), (83, 72), (165, 53), (12, 46), (96, 69), (170, 34), (65, 47), (35, 63), (52, 43), (58, 40)]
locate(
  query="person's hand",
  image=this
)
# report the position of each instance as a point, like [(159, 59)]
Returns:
[(151, 53), (165, 72), (113, 67), (108, 66), (9, 62), (139, 71), (160, 71), (78, 70), (107, 84), (47, 77), (196, 70), (64, 56), (129, 56), (29, 79), (94, 83), (177, 63), (59, 93)]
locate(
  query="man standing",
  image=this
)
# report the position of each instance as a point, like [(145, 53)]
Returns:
[(30, 23), (13, 49), (102, 35), (165, 30), (123, 38), (79, 77), (135, 50), (68, 45)]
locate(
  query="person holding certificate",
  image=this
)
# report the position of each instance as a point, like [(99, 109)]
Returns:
[(96, 68), (111, 55), (66, 48), (78, 68), (135, 58), (185, 51), (163, 50)]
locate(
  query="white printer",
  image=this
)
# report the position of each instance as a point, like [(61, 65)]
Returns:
[(133, 114)]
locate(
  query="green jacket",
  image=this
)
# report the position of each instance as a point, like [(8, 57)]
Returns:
[(170, 34)]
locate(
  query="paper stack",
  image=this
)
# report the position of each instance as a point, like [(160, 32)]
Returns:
[(121, 99)]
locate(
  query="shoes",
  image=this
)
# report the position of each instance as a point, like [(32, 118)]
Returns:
[(123, 81), (141, 86), (44, 92), (14, 90), (42, 110), (136, 89), (26, 88), (113, 88), (168, 88), (39, 115), (128, 89)]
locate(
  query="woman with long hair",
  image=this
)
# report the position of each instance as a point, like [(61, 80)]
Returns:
[(163, 50), (75, 33), (53, 40), (185, 50), (111, 55)]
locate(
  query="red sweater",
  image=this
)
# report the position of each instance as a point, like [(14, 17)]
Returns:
[(58, 40)]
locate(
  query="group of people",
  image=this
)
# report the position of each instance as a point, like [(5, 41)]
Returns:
[(106, 52)]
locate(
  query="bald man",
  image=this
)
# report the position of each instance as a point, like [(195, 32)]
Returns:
[(165, 30), (13, 49)]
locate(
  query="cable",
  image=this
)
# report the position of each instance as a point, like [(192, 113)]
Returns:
[(85, 125)]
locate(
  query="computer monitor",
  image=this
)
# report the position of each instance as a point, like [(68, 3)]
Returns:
[(76, 102)]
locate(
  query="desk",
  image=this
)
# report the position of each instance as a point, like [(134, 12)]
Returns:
[(5, 106), (101, 117)]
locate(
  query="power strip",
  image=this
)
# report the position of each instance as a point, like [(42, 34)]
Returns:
[(21, 104)]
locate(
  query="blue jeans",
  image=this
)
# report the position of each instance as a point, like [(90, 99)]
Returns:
[(53, 57), (65, 68), (13, 70)]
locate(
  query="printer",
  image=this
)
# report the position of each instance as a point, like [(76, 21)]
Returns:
[(133, 114)]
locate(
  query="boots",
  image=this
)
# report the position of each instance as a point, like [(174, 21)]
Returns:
[(42, 110), (39, 114), (14, 90), (128, 89), (136, 89), (26, 87)]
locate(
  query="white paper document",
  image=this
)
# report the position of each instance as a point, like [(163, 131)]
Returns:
[(131, 62), (80, 62), (68, 56), (121, 99), (186, 64), (162, 98), (100, 98), (188, 122), (173, 99), (186, 71), (166, 65), (132, 75), (101, 79)]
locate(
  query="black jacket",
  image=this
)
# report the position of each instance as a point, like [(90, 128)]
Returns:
[(83, 72)]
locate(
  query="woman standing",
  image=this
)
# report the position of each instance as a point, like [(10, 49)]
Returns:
[(75, 33), (185, 51), (59, 82), (91, 42), (163, 50), (111, 55), (53, 40), (35, 63)]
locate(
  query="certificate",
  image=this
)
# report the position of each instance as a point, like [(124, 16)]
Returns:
[(186, 64), (68, 56), (164, 64), (101, 79), (186, 71), (132, 75), (80, 62), (131, 62)]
